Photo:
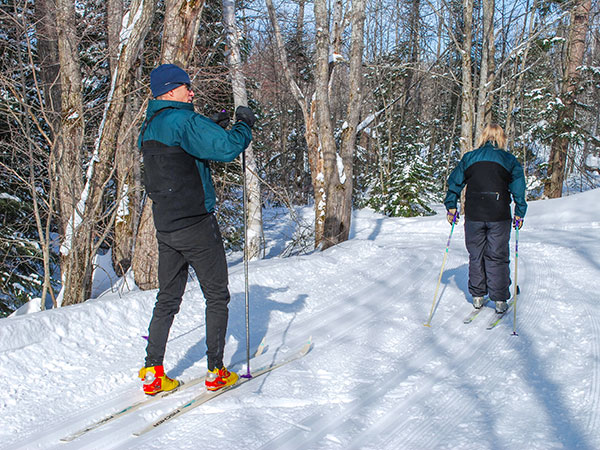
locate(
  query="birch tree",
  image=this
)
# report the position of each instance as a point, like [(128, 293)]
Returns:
[(252, 246)]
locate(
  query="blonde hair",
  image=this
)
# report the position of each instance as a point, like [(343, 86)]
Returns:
[(493, 133)]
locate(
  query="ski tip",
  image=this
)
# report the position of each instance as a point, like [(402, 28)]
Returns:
[(427, 325), (261, 347), (307, 346)]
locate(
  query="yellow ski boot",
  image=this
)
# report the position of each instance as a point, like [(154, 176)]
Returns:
[(219, 378), (156, 381)]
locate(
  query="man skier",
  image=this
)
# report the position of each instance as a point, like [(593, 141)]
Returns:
[(177, 145), (491, 175)]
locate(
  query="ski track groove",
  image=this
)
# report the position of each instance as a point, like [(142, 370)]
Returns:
[(332, 313), (329, 424), (424, 434), (594, 389), (325, 317), (388, 431), (339, 312)]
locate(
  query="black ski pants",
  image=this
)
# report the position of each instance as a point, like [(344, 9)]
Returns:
[(200, 246), (488, 247)]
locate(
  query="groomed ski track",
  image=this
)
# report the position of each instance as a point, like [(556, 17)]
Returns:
[(376, 377)]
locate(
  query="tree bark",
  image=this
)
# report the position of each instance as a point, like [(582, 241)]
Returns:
[(338, 216), (331, 171), (325, 129), (253, 245), (485, 80), (145, 257), (127, 160), (467, 117), (86, 236), (68, 148), (311, 134), (180, 31), (564, 124)]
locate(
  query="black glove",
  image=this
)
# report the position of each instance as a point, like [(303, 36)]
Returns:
[(221, 118), (246, 115)]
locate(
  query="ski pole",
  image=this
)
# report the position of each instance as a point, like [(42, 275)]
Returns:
[(428, 324), (247, 302), (517, 224)]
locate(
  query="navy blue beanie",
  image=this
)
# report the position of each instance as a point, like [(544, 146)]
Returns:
[(167, 77)]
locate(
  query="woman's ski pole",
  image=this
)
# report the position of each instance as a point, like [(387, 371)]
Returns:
[(517, 226), (428, 324)]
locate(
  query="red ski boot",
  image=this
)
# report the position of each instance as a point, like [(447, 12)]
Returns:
[(156, 381), (219, 378)]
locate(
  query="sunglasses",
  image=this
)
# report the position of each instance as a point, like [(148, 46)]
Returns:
[(187, 85)]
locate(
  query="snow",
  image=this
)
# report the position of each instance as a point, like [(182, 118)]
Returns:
[(6, 196), (376, 378), (340, 168)]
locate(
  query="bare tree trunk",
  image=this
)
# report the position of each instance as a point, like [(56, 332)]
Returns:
[(485, 80), (331, 172), (126, 158), (252, 247), (519, 68), (47, 52), (315, 154), (467, 118), (560, 145), (338, 218), (145, 257), (49, 83), (468, 100), (86, 236), (180, 30), (128, 190), (325, 128), (69, 143)]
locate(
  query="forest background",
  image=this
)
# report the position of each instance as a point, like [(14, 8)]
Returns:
[(360, 104)]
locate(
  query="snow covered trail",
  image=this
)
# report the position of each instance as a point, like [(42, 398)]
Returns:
[(376, 378)]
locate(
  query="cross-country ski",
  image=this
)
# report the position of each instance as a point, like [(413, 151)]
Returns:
[(473, 314), (208, 395)]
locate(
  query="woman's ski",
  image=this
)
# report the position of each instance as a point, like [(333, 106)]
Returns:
[(498, 317)]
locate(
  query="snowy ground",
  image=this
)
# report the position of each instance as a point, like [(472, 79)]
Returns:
[(376, 378)]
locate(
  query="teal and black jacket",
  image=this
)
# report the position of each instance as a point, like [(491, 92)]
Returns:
[(177, 145), (491, 175)]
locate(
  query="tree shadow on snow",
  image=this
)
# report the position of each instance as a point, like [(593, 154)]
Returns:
[(261, 306)]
